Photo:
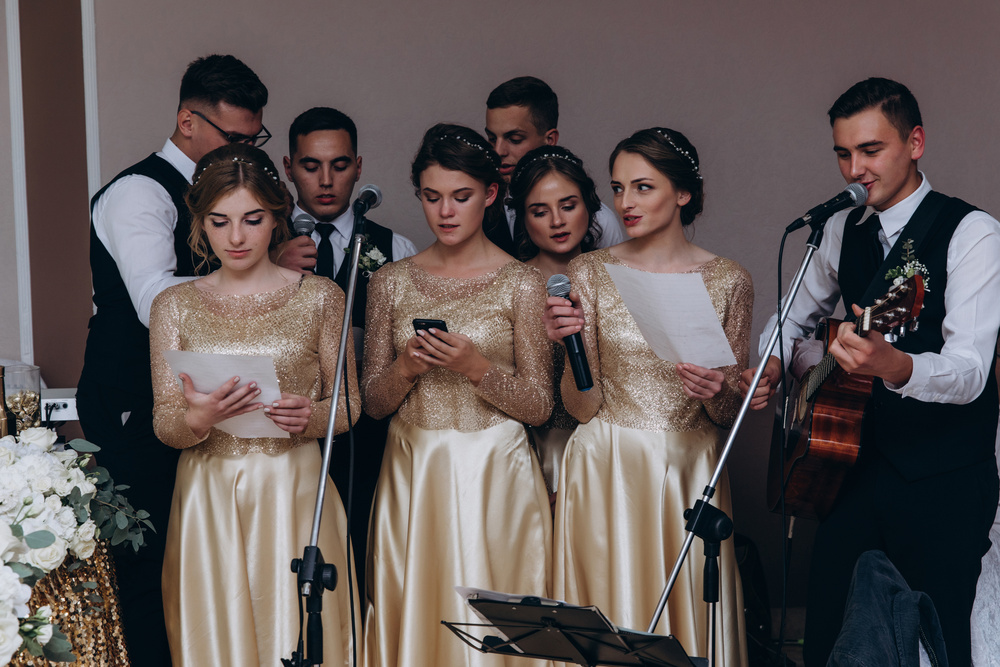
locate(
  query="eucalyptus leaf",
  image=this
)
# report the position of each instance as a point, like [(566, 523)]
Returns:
[(39, 539), (121, 519), (17, 530), (22, 570), (83, 446), (34, 648)]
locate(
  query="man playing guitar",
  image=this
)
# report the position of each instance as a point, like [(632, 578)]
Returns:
[(925, 487)]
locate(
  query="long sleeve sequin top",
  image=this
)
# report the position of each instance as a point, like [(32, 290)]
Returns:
[(632, 386), (298, 325), (500, 311)]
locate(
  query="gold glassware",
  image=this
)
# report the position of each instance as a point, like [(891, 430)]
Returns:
[(23, 394)]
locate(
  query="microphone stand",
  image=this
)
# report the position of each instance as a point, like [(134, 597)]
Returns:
[(709, 523), (315, 575)]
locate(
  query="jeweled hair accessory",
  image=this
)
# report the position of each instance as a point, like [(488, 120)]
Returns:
[(678, 149), (522, 166), (237, 158), (489, 153)]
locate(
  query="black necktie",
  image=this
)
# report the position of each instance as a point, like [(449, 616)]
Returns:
[(324, 258), (877, 249)]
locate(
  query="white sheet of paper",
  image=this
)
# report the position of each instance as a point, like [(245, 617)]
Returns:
[(210, 371), (675, 315)]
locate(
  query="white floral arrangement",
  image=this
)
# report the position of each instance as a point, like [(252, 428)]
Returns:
[(53, 504), (911, 267), (371, 257)]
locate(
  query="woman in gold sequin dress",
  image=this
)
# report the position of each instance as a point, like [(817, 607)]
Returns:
[(650, 429), (555, 207), (460, 499), (243, 507)]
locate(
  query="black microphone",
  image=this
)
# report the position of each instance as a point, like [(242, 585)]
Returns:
[(369, 197), (558, 285), (303, 225), (854, 194)]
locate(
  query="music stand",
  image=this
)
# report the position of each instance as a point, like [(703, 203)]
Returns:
[(567, 633)]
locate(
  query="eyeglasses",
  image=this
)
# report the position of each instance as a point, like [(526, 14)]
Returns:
[(258, 140)]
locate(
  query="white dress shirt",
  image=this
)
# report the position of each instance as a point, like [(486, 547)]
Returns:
[(135, 219), (960, 371), (340, 239), (606, 219)]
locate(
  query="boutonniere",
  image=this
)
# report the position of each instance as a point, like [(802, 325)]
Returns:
[(911, 267), (371, 257)]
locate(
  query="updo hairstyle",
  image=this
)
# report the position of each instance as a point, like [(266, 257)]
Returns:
[(672, 155), (533, 167), (223, 171), (459, 148)]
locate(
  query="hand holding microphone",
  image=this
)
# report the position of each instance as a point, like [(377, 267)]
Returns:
[(568, 332), (299, 252)]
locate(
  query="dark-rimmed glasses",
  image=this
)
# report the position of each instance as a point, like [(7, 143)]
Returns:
[(258, 140)]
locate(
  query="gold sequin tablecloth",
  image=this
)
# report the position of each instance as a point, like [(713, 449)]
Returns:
[(96, 635)]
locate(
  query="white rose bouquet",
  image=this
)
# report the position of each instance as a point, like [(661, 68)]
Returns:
[(54, 503)]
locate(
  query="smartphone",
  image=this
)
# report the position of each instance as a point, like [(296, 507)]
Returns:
[(421, 323)]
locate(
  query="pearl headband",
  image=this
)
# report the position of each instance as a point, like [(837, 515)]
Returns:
[(679, 150), (241, 160)]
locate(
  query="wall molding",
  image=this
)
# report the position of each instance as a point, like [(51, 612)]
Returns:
[(88, 20), (18, 167)]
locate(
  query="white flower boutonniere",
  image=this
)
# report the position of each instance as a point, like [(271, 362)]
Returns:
[(371, 257), (911, 267)]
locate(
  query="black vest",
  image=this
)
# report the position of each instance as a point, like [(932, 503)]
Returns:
[(117, 351), (919, 438), (381, 238)]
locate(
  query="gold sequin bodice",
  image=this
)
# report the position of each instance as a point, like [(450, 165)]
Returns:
[(632, 386), (499, 311), (298, 325)]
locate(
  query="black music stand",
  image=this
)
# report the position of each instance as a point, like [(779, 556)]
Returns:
[(532, 628)]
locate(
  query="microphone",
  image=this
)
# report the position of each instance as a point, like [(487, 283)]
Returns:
[(854, 194), (369, 197), (558, 285), (303, 225)]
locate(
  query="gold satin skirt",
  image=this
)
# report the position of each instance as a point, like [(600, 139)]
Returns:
[(619, 527), (451, 509), (236, 522)]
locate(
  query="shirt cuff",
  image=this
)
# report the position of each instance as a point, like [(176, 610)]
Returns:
[(919, 377)]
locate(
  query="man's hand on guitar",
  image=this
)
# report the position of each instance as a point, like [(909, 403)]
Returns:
[(768, 383), (870, 355)]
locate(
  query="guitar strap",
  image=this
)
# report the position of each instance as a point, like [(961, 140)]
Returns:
[(916, 230)]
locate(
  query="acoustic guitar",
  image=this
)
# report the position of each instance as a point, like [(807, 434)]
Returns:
[(824, 412)]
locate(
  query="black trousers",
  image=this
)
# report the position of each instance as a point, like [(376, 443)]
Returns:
[(134, 456), (934, 530), (369, 445)]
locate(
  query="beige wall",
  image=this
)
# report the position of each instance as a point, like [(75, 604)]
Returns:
[(749, 83), (10, 339)]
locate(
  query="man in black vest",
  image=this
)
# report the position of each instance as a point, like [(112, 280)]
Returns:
[(924, 490), (138, 247), (323, 164)]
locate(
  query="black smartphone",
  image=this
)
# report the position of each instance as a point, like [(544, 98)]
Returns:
[(421, 323)]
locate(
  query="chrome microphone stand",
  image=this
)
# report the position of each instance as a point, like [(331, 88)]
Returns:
[(705, 520), (313, 574)]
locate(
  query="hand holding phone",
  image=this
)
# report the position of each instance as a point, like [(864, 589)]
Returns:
[(426, 325)]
